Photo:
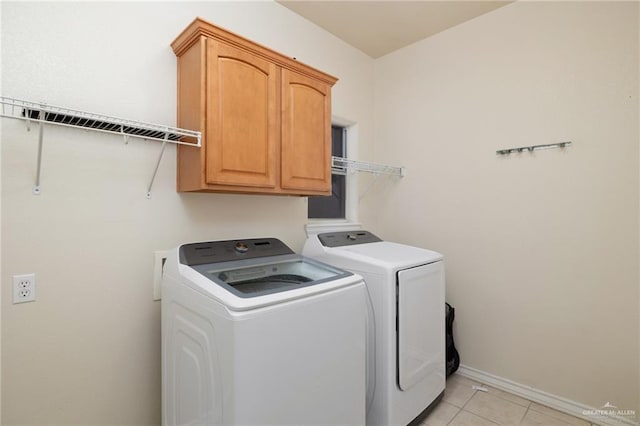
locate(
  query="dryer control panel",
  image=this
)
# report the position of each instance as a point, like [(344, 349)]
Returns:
[(347, 238)]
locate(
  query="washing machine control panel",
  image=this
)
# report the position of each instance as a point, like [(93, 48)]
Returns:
[(227, 251), (348, 238)]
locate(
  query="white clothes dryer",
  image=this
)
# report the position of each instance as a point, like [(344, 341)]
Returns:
[(406, 286), (253, 334)]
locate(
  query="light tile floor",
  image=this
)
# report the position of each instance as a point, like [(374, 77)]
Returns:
[(463, 405)]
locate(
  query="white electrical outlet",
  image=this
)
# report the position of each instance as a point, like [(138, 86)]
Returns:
[(158, 272), (24, 288)]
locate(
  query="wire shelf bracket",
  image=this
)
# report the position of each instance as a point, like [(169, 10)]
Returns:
[(48, 114)]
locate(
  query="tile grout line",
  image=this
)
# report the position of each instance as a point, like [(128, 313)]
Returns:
[(497, 397), (457, 414), (572, 409), (553, 415), (508, 400), (525, 413), (528, 407), (475, 391), (470, 412), (462, 408)]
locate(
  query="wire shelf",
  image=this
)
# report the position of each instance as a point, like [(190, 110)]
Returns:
[(340, 165), (50, 114)]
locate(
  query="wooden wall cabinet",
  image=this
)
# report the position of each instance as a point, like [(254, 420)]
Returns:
[(265, 118)]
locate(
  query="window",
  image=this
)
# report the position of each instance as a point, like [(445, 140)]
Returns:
[(333, 206)]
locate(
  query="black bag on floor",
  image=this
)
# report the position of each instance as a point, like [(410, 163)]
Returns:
[(453, 358)]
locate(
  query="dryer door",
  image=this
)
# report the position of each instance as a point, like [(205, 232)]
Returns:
[(421, 327)]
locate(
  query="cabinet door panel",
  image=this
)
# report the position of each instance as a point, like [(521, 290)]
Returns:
[(242, 131), (306, 134)]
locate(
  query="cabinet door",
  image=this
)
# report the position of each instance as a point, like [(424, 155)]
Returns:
[(242, 118), (306, 134)]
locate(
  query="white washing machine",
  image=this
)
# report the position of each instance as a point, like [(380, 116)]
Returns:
[(253, 334), (406, 355)]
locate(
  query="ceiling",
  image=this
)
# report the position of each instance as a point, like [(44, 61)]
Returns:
[(380, 27)]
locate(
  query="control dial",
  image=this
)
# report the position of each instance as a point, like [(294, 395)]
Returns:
[(241, 247)]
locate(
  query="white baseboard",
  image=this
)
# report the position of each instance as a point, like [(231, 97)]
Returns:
[(556, 402)]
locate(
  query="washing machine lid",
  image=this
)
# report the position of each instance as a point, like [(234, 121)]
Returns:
[(364, 247), (245, 274)]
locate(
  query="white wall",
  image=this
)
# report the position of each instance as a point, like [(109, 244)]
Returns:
[(541, 249), (88, 350), (0, 229)]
